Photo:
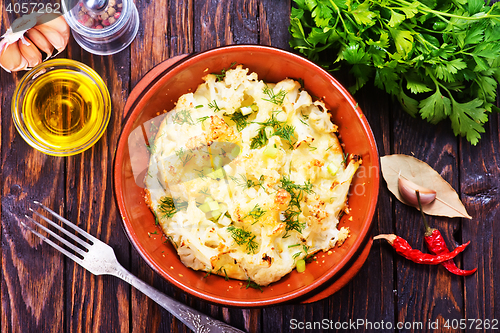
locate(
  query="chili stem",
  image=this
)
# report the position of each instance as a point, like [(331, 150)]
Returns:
[(426, 225)]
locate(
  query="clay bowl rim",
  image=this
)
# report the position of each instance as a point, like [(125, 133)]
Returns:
[(136, 110)]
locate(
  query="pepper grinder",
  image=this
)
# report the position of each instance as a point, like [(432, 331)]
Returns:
[(102, 27)]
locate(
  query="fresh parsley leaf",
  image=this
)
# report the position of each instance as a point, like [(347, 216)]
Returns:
[(440, 59)]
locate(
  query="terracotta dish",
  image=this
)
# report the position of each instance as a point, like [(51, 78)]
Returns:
[(158, 91)]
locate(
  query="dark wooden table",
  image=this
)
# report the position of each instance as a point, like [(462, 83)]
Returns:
[(41, 291)]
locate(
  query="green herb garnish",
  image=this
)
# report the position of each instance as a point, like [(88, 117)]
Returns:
[(293, 210), (277, 98), (284, 131), (202, 119), (256, 212), (222, 75), (244, 182), (251, 284), (183, 117), (184, 155), (213, 105), (243, 237), (240, 120), (168, 206), (440, 59)]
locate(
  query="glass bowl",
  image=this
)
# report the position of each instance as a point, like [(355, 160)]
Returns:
[(61, 107)]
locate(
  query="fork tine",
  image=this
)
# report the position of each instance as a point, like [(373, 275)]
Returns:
[(67, 222), (51, 243), (56, 236), (66, 232)]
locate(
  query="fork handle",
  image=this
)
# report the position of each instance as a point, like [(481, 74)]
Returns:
[(195, 320)]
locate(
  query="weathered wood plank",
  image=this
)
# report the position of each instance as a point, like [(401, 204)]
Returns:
[(151, 46), (32, 285), (90, 204), (274, 18), (480, 187), (168, 34), (212, 24), (32, 274), (426, 293), (364, 293)]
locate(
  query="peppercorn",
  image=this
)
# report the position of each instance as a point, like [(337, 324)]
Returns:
[(107, 18)]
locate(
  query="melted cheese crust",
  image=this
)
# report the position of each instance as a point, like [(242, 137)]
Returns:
[(272, 203)]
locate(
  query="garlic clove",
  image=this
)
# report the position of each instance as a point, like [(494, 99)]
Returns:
[(408, 189), (17, 30), (30, 52), (41, 42), (53, 36), (57, 23), (22, 66), (11, 58)]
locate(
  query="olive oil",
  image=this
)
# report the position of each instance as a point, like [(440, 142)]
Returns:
[(64, 109)]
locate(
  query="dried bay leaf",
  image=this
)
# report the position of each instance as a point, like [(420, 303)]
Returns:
[(447, 202)]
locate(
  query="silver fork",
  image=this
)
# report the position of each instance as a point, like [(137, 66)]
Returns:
[(99, 258)]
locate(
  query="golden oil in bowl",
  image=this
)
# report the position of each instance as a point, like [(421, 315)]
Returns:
[(61, 107)]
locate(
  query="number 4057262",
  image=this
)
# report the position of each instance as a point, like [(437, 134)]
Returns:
[(478, 324), (33, 7)]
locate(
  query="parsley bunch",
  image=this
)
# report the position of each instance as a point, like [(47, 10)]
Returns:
[(440, 59)]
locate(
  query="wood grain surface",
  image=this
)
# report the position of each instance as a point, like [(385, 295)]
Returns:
[(41, 291)]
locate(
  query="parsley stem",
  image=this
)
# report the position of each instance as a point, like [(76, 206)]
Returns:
[(439, 14)]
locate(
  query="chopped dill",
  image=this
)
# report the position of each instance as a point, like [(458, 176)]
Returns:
[(169, 238), (251, 284), (303, 118), (168, 206), (222, 75), (296, 196), (183, 117), (284, 131), (204, 191), (151, 148), (346, 156), (153, 127), (301, 82), (243, 237), (184, 155), (220, 270), (213, 105), (308, 257), (247, 183), (202, 119), (274, 98), (256, 212), (240, 120)]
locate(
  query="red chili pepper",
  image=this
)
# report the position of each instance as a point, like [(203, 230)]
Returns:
[(436, 245), (403, 248)]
